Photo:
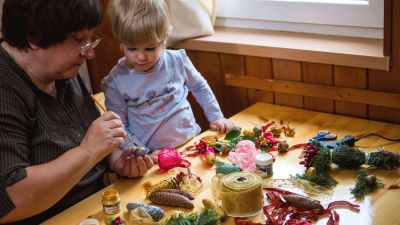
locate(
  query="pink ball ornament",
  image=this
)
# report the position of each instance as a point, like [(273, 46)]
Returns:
[(170, 158)]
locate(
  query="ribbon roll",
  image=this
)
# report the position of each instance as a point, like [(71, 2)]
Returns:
[(239, 194)]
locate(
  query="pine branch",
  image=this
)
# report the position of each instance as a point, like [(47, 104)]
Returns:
[(383, 159), (365, 184), (348, 157)]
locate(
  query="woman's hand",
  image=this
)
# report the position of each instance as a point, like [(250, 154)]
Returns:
[(154, 156), (128, 165), (222, 125), (104, 134)]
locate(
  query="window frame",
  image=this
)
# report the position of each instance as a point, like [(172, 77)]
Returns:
[(300, 16)]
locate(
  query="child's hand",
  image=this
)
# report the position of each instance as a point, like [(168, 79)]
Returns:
[(222, 125), (154, 156)]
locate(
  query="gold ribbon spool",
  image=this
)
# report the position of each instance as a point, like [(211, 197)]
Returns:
[(239, 194)]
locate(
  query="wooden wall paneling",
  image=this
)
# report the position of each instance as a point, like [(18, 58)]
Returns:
[(388, 81), (235, 99), (291, 71), (108, 52), (390, 115), (384, 99), (387, 28), (197, 110), (350, 77), (208, 64), (262, 68), (317, 73)]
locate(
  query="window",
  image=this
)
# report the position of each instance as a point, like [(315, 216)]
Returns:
[(360, 18)]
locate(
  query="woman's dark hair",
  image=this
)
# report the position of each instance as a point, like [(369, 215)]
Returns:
[(46, 22)]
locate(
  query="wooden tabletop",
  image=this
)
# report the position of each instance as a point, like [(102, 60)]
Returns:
[(379, 208)]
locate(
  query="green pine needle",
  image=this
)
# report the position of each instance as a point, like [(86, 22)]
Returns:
[(347, 157), (362, 187), (321, 164), (206, 217), (322, 179), (322, 161), (383, 159)]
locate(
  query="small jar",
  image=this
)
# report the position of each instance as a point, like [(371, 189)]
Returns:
[(264, 164), (111, 201)]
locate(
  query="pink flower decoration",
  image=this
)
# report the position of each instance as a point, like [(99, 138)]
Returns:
[(270, 138), (244, 155)]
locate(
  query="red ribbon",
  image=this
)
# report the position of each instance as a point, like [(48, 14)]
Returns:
[(280, 212)]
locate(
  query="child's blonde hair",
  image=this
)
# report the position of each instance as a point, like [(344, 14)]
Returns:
[(138, 22)]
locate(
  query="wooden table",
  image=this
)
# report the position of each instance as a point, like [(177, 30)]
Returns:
[(379, 208)]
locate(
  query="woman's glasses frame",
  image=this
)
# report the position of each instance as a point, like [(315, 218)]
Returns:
[(86, 46)]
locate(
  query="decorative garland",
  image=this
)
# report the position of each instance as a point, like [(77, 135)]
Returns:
[(317, 160), (261, 137), (264, 138)]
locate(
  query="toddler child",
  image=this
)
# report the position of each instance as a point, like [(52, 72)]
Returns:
[(148, 87)]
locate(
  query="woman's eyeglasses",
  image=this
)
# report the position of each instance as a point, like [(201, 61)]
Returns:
[(86, 46)]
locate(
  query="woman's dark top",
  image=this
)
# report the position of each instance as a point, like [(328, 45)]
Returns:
[(36, 128)]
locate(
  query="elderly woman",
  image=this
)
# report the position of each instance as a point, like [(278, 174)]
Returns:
[(54, 145)]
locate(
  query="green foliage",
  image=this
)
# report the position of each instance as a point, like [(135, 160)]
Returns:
[(321, 164), (217, 148), (352, 158), (233, 135), (264, 149), (206, 217), (322, 161), (323, 179), (347, 157), (383, 159), (363, 187), (250, 138)]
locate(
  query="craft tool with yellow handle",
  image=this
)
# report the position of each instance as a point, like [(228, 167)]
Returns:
[(132, 140)]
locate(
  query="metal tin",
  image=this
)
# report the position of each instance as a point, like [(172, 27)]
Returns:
[(264, 164), (111, 201)]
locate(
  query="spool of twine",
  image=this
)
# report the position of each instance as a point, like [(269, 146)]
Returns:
[(240, 193)]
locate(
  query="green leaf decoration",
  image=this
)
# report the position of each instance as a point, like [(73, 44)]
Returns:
[(264, 148), (250, 138), (217, 148), (233, 134)]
